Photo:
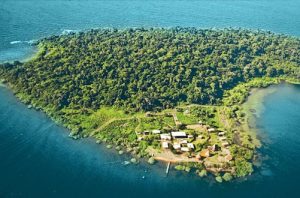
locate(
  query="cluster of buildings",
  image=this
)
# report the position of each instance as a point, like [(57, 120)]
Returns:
[(182, 142), (178, 140)]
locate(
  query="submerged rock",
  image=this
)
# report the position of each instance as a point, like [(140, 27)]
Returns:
[(134, 161), (98, 141), (125, 163)]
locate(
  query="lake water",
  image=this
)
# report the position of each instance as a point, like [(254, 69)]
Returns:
[(38, 159)]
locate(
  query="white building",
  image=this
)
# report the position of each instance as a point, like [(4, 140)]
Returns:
[(185, 149), (165, 145), (190, 145), (178, 134), (165, 136), (156, 131), (176, 146)]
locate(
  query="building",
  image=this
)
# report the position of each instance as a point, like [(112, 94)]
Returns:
[(221, 133), (183, 141), (165, 136), (176, 146), (165, 145), (204, 153), (156, 131), (178, 134), (211, 130), (190, 145), (185, 149), (190, 136)]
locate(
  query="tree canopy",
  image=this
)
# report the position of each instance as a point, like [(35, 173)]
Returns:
[(149, 69)]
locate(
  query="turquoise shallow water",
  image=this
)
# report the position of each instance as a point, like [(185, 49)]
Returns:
[(39, 160)]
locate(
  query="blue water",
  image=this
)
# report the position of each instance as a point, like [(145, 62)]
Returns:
[(29, 20), (38, 159)]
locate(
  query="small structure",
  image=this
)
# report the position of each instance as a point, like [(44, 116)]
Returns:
[(190, 136), (190, 146), (204, 153), (185, 149), (165, 145), (183, 142), (165, 136), (214, 147), (176, 146), (178, 134), (210, 130), (221, 133), (140, 138), (228, 158), (156, 131)]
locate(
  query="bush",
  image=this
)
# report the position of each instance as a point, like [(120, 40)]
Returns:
[(202, 173), (227, 177), (243, 168), (219, 179)]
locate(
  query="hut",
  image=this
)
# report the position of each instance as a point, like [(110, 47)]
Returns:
[(178, 134), (190, 145), (221, 133), (185, 149), (165, 145), (204, 153), (156, 131), (165, 136), (176, 146), (210, 130)]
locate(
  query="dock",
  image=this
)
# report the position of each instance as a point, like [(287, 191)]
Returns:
[(168, 168)]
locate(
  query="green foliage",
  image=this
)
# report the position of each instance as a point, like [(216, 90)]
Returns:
[(219, 179), (148, 69), (202, 173), (227, 177), (243, 168)]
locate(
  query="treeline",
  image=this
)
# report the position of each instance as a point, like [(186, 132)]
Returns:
[(149, 69)]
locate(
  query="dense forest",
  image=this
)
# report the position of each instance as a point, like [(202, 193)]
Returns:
[(149, 69)]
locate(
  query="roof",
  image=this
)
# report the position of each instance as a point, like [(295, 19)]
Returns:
[(204, 153), (178, 134), (186, 149), (211, 129), (190, 145), (156, 131), (165, 135), (221, 133), (183, 141), (176, 146), (165, 145)]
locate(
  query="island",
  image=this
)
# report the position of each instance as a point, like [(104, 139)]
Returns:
[(167, 94)]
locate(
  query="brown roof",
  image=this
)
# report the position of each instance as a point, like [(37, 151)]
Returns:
[(204, 153)]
